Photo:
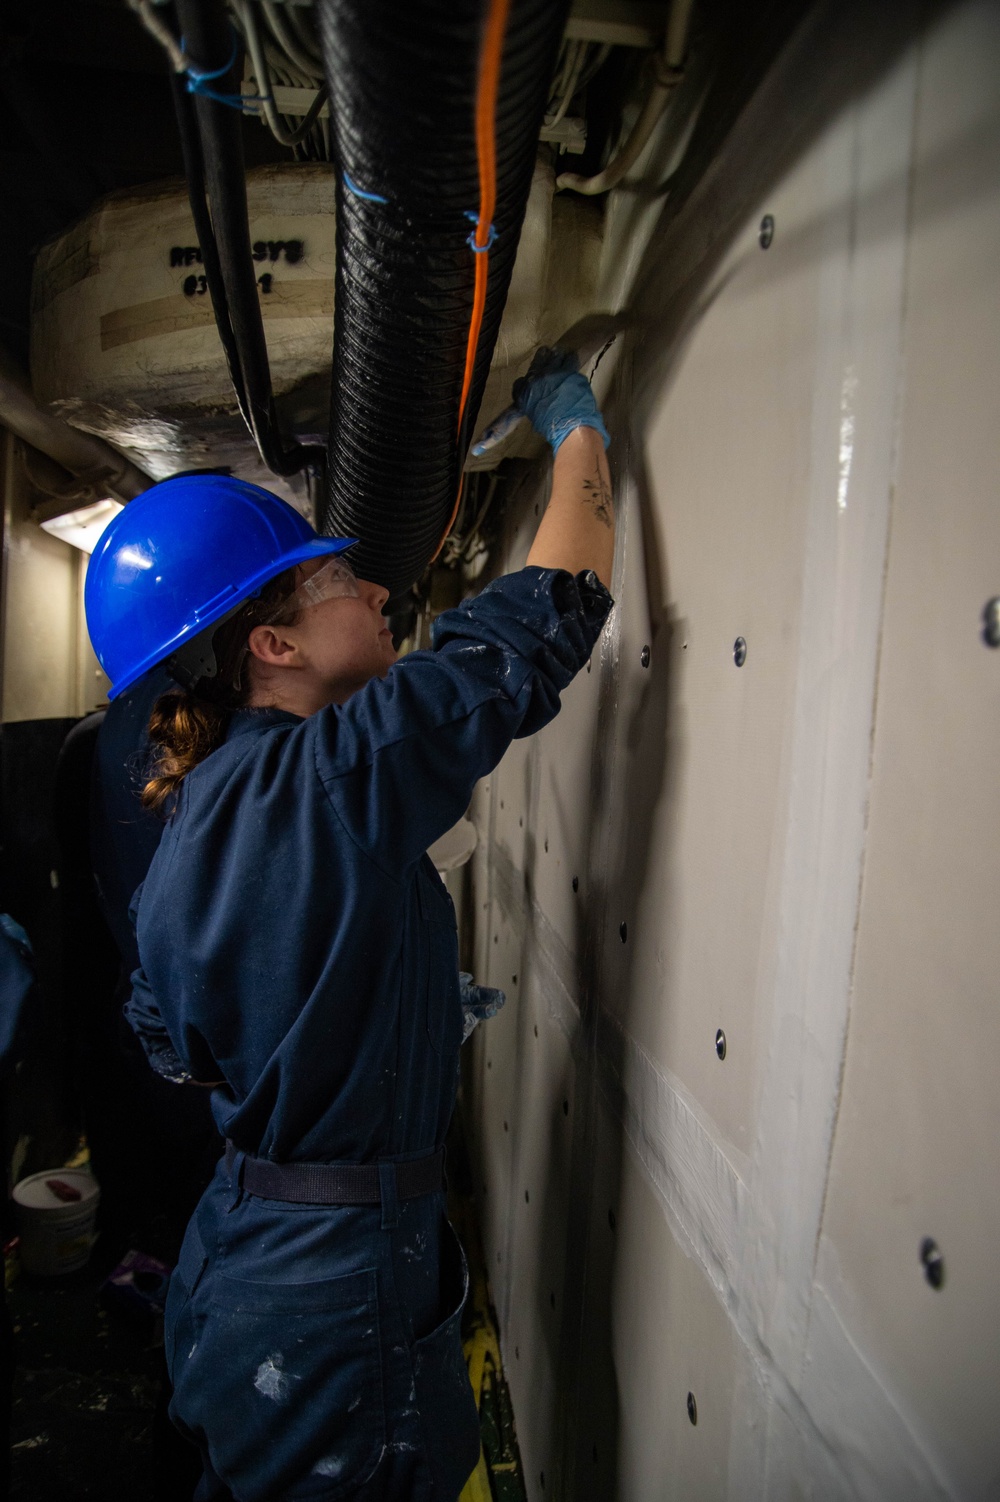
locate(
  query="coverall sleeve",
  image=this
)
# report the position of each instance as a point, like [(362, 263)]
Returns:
[(143, 1016), (400, 759)]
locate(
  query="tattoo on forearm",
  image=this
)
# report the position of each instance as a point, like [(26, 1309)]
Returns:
[(597, 495)]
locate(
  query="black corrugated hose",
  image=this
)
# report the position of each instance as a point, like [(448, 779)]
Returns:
[(214, 162), (403, 77)]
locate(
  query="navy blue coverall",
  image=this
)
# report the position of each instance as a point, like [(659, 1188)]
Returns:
[(297, 944)]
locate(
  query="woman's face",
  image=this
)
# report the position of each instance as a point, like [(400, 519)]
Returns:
[(347, 638), (334, 647)]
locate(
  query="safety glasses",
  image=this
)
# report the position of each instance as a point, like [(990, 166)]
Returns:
[(334, 581)]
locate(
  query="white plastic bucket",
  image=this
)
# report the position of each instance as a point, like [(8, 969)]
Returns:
[(56, 1234)]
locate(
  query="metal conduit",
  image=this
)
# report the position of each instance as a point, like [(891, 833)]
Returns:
[(84, 455)]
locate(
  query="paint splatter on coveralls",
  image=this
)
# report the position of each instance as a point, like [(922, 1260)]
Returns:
[(297, 943)]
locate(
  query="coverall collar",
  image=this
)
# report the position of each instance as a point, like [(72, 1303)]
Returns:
[(244, 721)]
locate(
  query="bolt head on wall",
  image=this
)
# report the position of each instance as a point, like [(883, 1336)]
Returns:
[(932, 1262), (720, 1043), (739, 651), (766, 232)]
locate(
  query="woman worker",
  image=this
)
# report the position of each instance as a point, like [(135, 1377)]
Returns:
[(299, 952)]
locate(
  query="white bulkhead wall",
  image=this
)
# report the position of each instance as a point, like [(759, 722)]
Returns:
[(711, 1271), (49, 670)]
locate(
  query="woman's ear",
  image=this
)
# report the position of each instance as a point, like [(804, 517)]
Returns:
[(272, 645)]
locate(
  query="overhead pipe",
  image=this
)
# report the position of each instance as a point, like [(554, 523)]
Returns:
[(85, 456), (420, 292)]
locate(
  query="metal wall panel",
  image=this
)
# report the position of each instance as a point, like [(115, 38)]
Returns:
[(799, 850), (919, 1136)]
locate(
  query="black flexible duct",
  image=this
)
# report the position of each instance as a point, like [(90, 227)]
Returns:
[(403, 76), (219, 170)]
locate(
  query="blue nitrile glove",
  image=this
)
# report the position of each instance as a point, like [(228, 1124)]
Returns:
[(478, 1003), (554, 397)]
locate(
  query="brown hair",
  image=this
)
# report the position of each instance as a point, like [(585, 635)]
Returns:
[(187, 725)]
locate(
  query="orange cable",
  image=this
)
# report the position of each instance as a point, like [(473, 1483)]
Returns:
[(487, 89)]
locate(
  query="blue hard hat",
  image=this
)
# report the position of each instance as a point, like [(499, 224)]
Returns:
[(179, 558)]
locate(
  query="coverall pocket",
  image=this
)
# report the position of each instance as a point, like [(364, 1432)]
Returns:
[(183, 1281), (284, 1386), (444, 1394), (439, 937)]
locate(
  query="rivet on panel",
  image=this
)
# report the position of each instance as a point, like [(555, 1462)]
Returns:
[(496, 938), (933, 1262), (692, 1408), (991, 622), (644, 657), (623, 931), (611, 1219), (576, 883), (489, 1063), (517, 1353), (546, 847), (565, 1107), (766, 232), (536, 1029), (520, 823), (513, 980), (720, 1043), (527, 1198), (506, 1127), (739, 651)]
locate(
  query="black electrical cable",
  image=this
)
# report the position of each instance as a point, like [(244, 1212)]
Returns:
[(194, 171), (208, 42), (403, 79)]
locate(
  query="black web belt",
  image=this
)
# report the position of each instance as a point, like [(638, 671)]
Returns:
[(336, 1183)]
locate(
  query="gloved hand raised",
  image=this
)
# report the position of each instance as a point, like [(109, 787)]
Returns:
[(554, 397)]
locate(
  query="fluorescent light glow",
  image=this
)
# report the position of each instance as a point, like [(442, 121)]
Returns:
[(83, 528)]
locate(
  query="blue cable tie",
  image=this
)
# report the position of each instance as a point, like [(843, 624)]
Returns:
[(352, 187), (471, 241), (199, 79), (479, 249)]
